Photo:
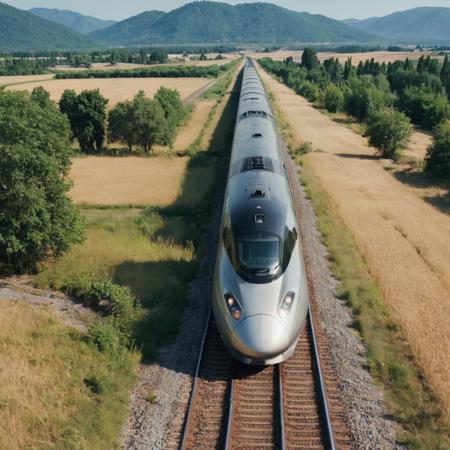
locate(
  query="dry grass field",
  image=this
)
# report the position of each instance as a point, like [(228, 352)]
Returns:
[(404, 240), (377, 56), (45, 401), (127, 181), (382, 56), (190, 131), (20, 79), (118, 89)]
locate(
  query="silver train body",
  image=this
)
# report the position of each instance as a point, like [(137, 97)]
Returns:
[(260, 297)]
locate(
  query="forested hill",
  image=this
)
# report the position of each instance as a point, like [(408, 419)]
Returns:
[(213, 22), (418, 25), (78, 22), (132, 30), (22, 30)]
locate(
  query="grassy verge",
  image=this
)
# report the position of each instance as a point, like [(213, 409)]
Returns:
[(389, 358), (57, 388)]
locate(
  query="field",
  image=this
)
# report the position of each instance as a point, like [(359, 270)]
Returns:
[(45, 398), (20, 79), (190, 131), (403, 239), (174, 61), (118, 89), (382, 56), (127, 181)]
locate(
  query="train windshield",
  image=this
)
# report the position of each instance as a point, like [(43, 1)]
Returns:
[(260, 253)]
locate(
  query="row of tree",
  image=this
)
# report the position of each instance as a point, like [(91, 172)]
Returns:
[(141, 122), (386, 97), (212, 71)]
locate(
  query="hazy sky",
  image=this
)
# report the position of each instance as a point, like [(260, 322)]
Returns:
[(120, 9)]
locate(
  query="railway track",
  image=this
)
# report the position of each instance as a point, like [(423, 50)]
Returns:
[(234, 406), (293, 405)]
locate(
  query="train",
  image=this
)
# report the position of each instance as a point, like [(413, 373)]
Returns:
[(260, 296)]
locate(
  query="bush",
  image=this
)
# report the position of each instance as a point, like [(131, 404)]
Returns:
[(310, 91), (113, 299), (438, 154), (37, 218), (105, 337), (334, 99), (362, 101), (388, 131)]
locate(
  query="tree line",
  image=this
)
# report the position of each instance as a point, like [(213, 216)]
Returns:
[(387, 98), (212, 71)]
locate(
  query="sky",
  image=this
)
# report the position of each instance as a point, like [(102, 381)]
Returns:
[(120, 9)]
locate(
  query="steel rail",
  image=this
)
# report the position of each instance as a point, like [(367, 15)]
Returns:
[(326, 418), (190, 412)]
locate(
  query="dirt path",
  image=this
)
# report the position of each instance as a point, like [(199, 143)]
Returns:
[(189, 133), (405, 241)]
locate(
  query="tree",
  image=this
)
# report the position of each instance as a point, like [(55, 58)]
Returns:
[(41, 96), (310, 59), (150, 123), (438, 154), (121, 127), (159, 56), (334, 99), (37, 218), (389, 131), (170, 102), (361, 101), (87, 115)]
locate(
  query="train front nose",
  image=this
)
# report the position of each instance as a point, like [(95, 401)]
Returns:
[(260, 337)]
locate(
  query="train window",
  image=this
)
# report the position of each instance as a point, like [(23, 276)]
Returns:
[(289, 244), (259, 253)]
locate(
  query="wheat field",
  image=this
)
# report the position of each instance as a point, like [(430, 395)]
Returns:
[(127, 181), (404, 240)]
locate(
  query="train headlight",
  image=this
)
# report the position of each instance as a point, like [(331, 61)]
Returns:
[(233, 306), (286, 304)]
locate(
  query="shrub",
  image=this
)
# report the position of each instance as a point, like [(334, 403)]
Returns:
[(310, 91), (113, 299), (438, 154), (362, 101), (388, 131), (105, 337), (334, 99)]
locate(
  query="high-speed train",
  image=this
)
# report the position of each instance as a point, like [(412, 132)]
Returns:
[(260, 297)]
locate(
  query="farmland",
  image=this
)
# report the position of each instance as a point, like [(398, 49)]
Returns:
[(117, 89), (379, 56), (127, 181), (403, 239)]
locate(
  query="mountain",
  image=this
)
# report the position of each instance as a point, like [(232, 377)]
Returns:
[(76, 21), (21, 30), (129, 30), (212, 22), (418, 25)]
